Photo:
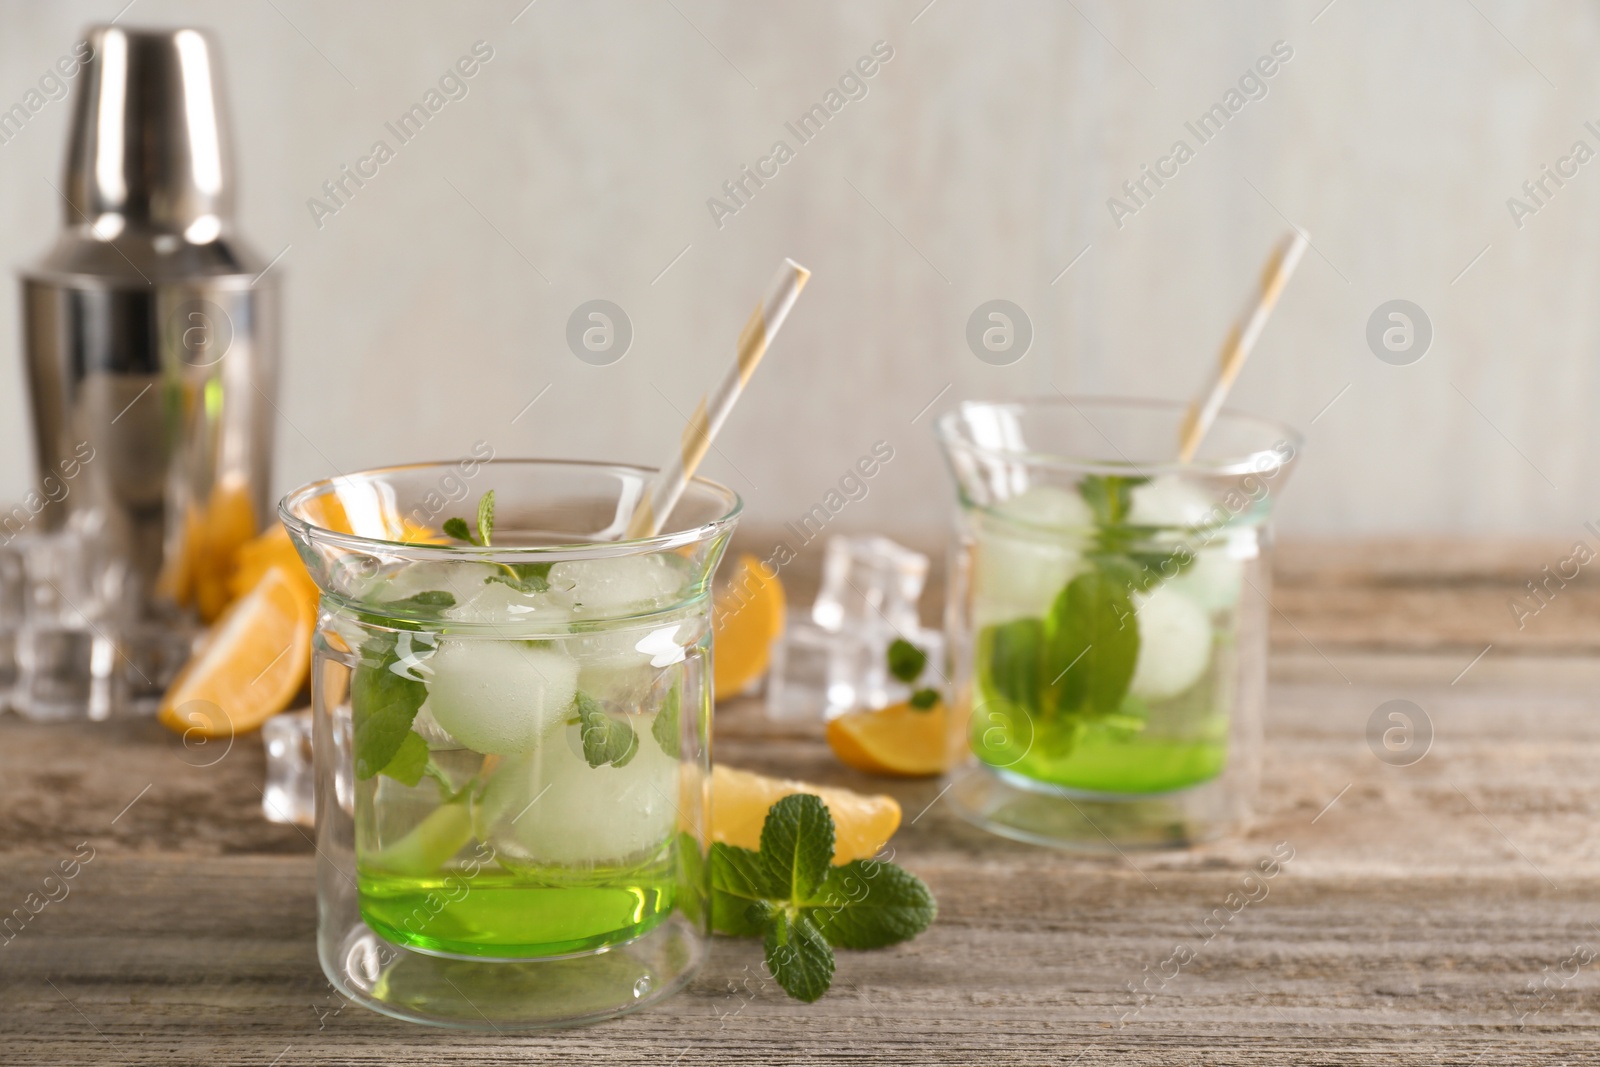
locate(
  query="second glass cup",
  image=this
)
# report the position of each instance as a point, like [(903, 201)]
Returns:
[(1108, 619), (511, 732)]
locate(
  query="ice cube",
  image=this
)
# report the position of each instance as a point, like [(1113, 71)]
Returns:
[(1172, 502), (550, 808), (1028, 550), (618, 585), (858, 669), (871, 582), (1212, 581), (462, 579), (797, 680), (1048, 505), (1174, 644), (289, 795), (496, 603), (499, 696)]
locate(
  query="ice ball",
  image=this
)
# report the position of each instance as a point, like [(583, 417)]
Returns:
[(1172, 502), (499, 697), (550, 808), (1174, 644)]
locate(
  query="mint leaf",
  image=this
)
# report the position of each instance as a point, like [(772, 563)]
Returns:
[(422, 603), (798, 955), (605, 739), (524, 577), (924, 699), (1109, 496), (384, 698), (665, 728), (1014, 652), (432, 600), (1091, 644), (739, 888), (410, 760), (797, 845), (457, 528), (485, 517), (1141, 571), (906, 660), (868, 904)]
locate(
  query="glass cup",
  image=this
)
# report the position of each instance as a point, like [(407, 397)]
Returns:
[(1107, 619), (511, 740)]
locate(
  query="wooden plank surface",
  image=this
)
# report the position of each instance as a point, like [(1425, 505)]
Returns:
[(1438, 913)]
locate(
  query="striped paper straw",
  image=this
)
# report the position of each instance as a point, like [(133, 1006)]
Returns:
[(1241, 339), (663, 491)]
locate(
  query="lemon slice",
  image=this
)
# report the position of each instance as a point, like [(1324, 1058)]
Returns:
[(746, 618), (898, 740), (862, 824)]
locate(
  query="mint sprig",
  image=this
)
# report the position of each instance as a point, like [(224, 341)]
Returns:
[(906, 660), (523, 577), (791, 896), (906, 663), (485, 517)]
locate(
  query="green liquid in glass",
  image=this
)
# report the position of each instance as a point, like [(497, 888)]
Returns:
[(1167, 746), (517, 915)]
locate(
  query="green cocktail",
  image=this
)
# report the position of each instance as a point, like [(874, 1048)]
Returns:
[(513, 713), (531, 809), (1107, 619), (1104, 644)]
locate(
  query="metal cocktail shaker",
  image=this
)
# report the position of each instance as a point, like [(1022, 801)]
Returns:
[(151, 332)]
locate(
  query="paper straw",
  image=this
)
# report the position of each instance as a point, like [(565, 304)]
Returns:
[(1241, 339), (665, 488)]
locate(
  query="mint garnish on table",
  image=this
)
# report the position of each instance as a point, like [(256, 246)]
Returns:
[(791, 896), (906, 662)]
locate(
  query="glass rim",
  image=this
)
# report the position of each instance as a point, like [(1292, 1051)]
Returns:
[(308, 531), (1261, 461)]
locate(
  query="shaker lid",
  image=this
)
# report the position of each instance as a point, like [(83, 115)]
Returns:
[(150, 146)]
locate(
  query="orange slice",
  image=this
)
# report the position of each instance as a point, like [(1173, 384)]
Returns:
[(270, 549), (898, 740), (746, 618), (250, 666), (230, 521), (739, 801)]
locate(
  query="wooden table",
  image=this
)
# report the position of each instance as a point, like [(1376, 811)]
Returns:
[(1443, 912)]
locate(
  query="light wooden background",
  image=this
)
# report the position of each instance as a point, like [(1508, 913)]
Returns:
[(431, 310)]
